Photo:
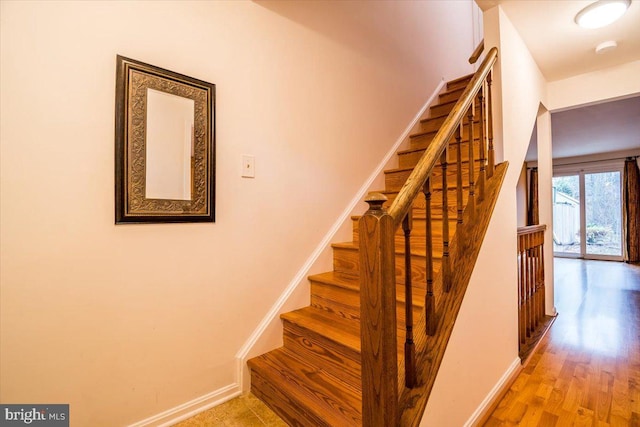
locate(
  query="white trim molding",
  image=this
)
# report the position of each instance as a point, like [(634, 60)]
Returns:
[(192, 408), (495, 392)]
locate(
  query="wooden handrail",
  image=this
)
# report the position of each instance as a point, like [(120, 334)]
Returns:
[(420, 173), (530, 229), (476, 53), (382, 378)]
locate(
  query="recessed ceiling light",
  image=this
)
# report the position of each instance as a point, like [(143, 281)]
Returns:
[(601, 13), (606, 46)]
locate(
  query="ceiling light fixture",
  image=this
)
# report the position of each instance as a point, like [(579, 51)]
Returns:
[(602, 13), (606, 47)]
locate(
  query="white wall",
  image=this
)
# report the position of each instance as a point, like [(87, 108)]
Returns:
[(593, 87), (124, 322), (483, 349), (522, 197)]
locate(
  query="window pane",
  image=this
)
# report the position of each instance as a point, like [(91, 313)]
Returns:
[(603, 213), (566, 214)]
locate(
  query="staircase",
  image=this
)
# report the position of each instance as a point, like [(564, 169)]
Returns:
[(315, 379)]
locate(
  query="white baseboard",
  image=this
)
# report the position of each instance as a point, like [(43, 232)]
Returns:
[(192, 408), (243, 354), (493, 394)]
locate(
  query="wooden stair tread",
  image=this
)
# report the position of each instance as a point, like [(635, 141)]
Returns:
[(451, 143), (444, 116), (409, 169), (352, 283), (399, 251), (346, 281), (459, 80), (342, 331), (322, 399), (450, 91)]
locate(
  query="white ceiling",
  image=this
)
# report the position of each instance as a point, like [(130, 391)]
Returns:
[(608, 127), (562, 49)]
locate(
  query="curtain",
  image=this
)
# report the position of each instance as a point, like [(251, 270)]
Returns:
[(632, 210), (533, 215)]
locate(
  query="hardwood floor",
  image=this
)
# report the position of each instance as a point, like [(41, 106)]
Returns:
[(586, 371)]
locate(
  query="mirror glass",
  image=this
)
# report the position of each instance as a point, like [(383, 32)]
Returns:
[(165, 165), (169, 146)]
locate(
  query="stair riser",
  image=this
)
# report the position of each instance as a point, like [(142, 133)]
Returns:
[(436, 202), (340, 361), (410, 159), (459, 84), (348, 261), (450, 96), (445, 108), (434, 124), (422, 140), (346, 302), (396, 179), (418, 229), (287, 407), (418, 234), (302, 394)]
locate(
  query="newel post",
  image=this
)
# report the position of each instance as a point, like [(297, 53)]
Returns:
[(378, 316)]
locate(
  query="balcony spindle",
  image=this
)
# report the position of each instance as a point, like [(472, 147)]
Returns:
[(409, 345), (532, 318), (429, 305), (522, 290)]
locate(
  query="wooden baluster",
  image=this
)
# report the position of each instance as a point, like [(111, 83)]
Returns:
[(429, 304), (491, 163), (540, 282), (446, 266), (481, 147), (539, 278), (522, 290), (459, 174), (536, 295), (378, 333), (409, 345), (542, 289), (471, 205), (530, 286), (526, 289), (525, 285)]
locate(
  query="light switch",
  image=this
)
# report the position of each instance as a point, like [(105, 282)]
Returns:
[(248, 167)]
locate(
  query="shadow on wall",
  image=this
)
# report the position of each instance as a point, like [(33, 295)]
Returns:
[(382, 29)]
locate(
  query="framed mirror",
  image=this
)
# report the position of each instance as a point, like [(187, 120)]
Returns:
[(165, 145)]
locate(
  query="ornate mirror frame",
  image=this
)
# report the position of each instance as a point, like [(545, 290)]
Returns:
[(133, 81)]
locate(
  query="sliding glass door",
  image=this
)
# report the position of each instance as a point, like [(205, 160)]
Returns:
[(603, 213), (587, 213)]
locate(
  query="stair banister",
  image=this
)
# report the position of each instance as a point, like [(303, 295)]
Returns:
[(377, 227), (432, 154), (477, 52)]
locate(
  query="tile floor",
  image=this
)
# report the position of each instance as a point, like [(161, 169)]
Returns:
[(243, 411)]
